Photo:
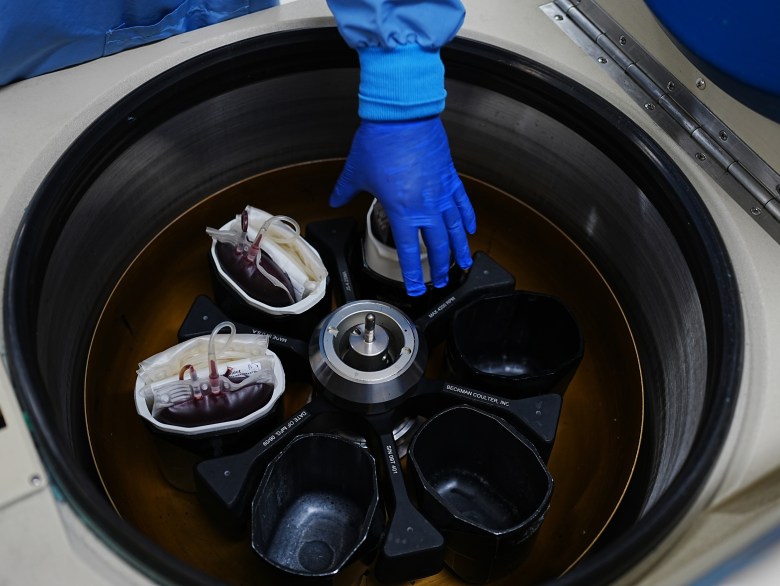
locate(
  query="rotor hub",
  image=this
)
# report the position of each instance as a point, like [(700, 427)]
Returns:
[(367, 355)]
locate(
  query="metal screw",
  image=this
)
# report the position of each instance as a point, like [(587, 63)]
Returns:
[(130, 119), (622, 39), (755, 211), (36, 480), (723, 136), (368, 336), (602, 60), (649, 106), (670, 86), (226, 473), (558, 17), (205, 318), (701, 156), (701, 84)]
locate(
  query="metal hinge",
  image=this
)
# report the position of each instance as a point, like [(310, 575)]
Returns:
[(747, 178)]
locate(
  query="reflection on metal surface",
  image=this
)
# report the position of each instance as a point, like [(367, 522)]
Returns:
[(728, 160), (600, 427)]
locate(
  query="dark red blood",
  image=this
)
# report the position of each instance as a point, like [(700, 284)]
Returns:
[(253, 282), (225, 406), (380, 225)]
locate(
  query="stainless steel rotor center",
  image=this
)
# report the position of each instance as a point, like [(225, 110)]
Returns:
[(366, 353), (370, 340), (349, 353)]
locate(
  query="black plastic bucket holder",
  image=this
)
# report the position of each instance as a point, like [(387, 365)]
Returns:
[(520, 344), (484, 486), (313, 521)]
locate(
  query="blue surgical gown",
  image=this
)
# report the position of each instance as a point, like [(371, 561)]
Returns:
[(45, 35)]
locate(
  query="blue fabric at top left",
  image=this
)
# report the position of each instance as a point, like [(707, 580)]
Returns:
[(40, 36)]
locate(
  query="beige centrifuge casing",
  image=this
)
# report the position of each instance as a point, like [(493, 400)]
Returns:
[(42, 539)]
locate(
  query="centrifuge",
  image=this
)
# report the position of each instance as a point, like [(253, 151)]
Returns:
[(606, 169)]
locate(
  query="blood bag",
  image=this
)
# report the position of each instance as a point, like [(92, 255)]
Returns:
[(266, 261), (380, 224), (210, 384)]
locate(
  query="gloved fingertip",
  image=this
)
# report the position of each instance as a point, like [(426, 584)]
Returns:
[(463, 254), (440, 273), (408, 249), (413, 281), (415, 289), (346, 188), (340, 196), (440, 283), (337, 198)]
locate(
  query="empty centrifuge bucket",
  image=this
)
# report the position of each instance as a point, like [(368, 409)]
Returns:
[(520, 344), (484, 486), (316, 509)]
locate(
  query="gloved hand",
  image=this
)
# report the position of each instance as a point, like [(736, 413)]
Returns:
[(408, 167)]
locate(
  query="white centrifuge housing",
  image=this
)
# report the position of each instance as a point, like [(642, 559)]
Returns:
[(586, 112)]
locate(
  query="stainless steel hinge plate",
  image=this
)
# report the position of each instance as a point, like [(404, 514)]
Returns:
[(734, 166)]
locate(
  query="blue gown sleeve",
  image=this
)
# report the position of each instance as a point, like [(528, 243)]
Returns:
[(398, 42)]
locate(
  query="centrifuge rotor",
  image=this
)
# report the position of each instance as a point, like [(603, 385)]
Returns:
[(366, 356)]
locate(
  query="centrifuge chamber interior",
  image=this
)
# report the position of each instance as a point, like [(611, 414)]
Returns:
[(114, 169)]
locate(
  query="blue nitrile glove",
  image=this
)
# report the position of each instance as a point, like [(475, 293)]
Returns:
[(408, 167)]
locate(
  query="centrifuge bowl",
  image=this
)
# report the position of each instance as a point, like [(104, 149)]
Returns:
[(290, 98)]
